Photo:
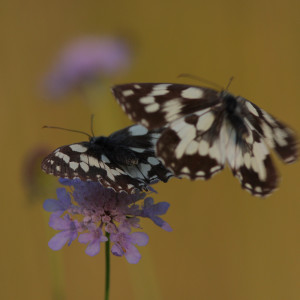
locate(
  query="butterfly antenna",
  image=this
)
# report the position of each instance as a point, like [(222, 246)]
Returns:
[(92, 125), (229, 83), (72, 130), (186, 75)]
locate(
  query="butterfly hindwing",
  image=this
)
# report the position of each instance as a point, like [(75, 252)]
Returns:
[(142, 143), (250, 161), (191, 146)]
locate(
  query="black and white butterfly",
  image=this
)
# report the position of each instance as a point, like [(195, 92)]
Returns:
[(123, 161), (206, 128)]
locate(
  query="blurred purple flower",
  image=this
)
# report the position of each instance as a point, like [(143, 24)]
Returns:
[(85, 60), (102, 210)]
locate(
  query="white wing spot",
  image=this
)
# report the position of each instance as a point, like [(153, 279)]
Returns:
[(58, 168), (247, 160), (192, 93), (203, 148), (280, 136), (145, 168), (248, 186), (172, 108), (200, 173), (153, 161), (128, 93), (84, 167), (115, 172), (73, 165), (66, 158), (162, 86), (192, 148), (78, 148), (84, 158), (205, 121), (147, 100), (215, 169), (258, 189), (187, 134), (152, 108), (93, 162), (144, 122), (138, 130), (249, 138), (268, 134), (159, 92), (105, 159), (185, 170), (268, 118), (136, 86), (139, 150), (252, 109)]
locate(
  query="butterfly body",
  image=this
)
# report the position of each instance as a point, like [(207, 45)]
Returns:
[(205, 129), (124, 161)]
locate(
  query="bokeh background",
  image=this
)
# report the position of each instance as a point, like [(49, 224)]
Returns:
[(225, 243)]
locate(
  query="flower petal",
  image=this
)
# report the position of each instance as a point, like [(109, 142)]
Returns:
[(139, 238), (117, 250), (132, 255), (60, 239), (52, 205), (86, 237), (93, 248)]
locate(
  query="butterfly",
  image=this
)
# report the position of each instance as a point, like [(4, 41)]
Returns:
[(206, 128), (123, 161)]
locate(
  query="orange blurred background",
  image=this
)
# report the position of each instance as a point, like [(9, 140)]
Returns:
[(225, 243)]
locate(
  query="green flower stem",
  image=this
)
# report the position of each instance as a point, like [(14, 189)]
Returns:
[(107, 266)]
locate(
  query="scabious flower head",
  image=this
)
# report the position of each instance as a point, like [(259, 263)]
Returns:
[(89, 211), (85, 60)]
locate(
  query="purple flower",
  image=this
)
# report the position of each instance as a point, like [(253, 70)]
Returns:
[(85, 60), (124, 243), (152, 211), (93, 238), (61, 205), (69, 231), (90, 210)]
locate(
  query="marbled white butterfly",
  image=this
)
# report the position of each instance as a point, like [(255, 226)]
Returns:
[(123, 161), (206, 128)]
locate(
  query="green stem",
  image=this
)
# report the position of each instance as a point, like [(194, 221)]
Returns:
[(107, 266)]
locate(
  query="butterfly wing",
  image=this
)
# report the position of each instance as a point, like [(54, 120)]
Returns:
[(276, 135), (125, 161), (198, 146), (195, 152), (191, 146), (142, 143), (84, 162), (154, 105), (249, 159)]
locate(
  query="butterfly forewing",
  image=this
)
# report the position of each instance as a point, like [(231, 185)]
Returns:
[(125, 161), (155, 105), (205, 128)]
